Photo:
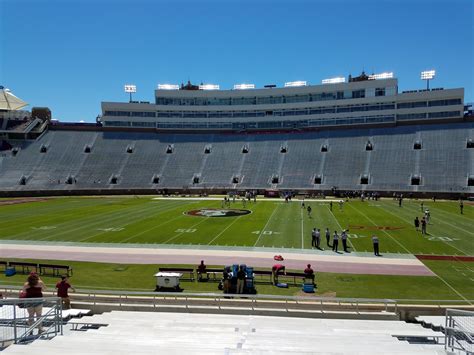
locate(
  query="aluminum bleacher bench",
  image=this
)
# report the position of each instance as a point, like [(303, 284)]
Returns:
[(56, 270), (295, 275), (214, 273), (26, 268), (264, 273), (184, 270)]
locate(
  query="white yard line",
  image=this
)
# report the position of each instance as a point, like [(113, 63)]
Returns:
[(147, 215), (150, 229), (217, 236), (265, 227), (451, 287), (449, 224), (375, 224), (302, 229), (177, 235), (349, 239), (462, 252)]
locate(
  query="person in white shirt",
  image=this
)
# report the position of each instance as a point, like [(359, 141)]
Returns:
[(328, 236), (335, 241), (375, 242), (344, 240), (318, 239)]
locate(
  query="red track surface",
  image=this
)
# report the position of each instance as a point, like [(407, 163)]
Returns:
[(446, 257)]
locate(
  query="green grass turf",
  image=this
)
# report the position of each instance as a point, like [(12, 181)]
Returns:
[(272, 224), (97, 276)]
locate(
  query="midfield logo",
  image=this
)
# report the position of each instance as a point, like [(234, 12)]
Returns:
[(217, 212)]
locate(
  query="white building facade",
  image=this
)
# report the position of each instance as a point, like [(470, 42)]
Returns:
[(364, 102)]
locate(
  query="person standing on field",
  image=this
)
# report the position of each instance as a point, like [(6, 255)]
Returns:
[(335, 241), (417, 223), (375, 242), (318, 239), (344, 240), (461, 206), (328, 236), (423, 225), (313, 238)]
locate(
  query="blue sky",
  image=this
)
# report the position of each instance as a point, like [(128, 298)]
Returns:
[(71, 55)]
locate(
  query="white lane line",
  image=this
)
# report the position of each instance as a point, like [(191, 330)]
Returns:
[(265, 227), (217, 236), (375, 224), (452, 246), (348, 239)]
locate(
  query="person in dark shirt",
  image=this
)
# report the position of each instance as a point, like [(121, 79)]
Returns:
[(33, 288), (309, 273), (375, 242), (240, 280), (63, 286), (201, 270), (417, 223)]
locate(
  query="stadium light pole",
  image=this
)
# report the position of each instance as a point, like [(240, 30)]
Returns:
[(130, 89), (428, 75)]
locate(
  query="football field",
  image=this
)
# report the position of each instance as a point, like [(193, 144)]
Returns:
[(264, 223), (183, 230)]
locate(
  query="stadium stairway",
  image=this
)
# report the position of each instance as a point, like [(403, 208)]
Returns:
[(121, 332)]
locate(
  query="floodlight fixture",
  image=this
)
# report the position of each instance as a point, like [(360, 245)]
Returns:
[(428, 75), (130, 88), (337, 80), (208, 87), (244, 86), (168, 87), (386, 75), (295, 83)]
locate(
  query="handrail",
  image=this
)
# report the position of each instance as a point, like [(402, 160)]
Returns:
[(220, 295), (93, 292), (19, 323), (459, 336)]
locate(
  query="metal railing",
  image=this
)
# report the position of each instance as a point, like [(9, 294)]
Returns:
[(221, 301), (23, 320), (459, 331)]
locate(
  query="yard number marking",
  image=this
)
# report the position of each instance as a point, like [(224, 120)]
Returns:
[(110, 229), (442, 239), (266, 232), (183, 230)]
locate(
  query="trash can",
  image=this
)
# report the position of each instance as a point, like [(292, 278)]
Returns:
[(10, 271), (167, 280), (308, 288)]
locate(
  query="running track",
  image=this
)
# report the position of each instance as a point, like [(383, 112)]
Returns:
[(320, 261)]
